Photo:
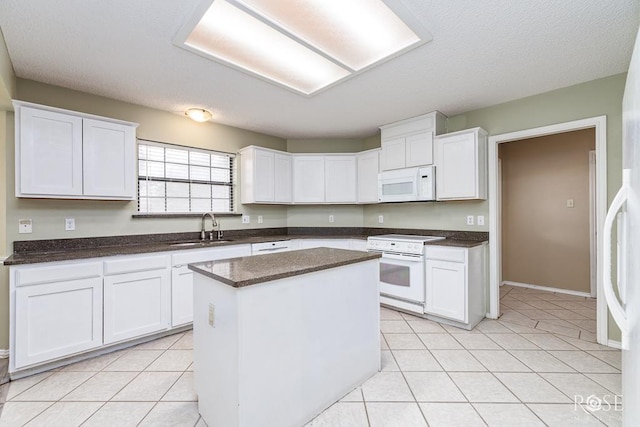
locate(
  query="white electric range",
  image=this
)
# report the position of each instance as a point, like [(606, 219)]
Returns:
[(402, 269)]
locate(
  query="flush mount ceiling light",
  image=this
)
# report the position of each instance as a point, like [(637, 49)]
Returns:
[(304, 46), (198, 114)]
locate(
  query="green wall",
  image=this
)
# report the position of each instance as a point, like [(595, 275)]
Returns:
[(105, 218), (101, 218), (108, 218), (595, 98)]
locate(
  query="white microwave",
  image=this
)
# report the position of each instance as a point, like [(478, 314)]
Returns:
[(407, 185)]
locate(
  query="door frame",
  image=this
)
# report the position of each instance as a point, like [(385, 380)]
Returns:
[(599, 123)]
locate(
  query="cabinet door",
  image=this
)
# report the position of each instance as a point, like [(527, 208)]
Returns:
[(136, 304), (182, 278), (308, 179), (263, 183), (446, 289), (419, 149), (340, 179), (57, 319), (368, 164), (392, 155), (49, 153), (282, 178), (181, 295), (457, 167), (108, 159)]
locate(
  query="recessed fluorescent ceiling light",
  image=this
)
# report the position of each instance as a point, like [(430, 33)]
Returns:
[(305, 46)]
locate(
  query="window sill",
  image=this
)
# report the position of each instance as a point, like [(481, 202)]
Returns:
[(181, 215)]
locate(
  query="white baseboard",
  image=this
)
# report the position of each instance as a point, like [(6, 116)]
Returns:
[(614, 344), (4, 353), (547, 288)]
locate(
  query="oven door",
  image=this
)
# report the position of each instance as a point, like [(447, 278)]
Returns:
[(402, 277)]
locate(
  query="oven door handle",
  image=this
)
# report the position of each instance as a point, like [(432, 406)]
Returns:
[(407, 257)]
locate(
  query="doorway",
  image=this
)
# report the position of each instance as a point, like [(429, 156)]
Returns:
[(598, 124)]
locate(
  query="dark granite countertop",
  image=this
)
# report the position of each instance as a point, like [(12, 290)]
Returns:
[(246, 271), (456, 243), (40, 251)]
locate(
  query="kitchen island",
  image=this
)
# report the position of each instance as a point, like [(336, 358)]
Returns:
[(278, 338)]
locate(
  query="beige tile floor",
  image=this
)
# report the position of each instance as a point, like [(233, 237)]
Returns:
[(513, 371)]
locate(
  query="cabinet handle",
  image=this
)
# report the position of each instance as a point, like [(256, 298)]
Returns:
[(178, 266)]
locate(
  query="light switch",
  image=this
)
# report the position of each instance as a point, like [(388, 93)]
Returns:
[(480, 219), (570, 203), (331, 218), (380, 219), (25, 226), (260, 220)]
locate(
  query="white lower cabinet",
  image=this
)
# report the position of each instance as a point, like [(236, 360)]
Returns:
[(446, 292), (182, 277), (137, 297), (67, 308), (58, 312), (455, 284)]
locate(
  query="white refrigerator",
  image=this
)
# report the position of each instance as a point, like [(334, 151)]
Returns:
[(625, 212)]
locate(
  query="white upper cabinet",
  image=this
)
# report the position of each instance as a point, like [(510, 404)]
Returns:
[(409, 143), (270, 176), (69, 155), (393, 154), (308, 179), (108, 159), (282, 178), (419, 149), (265, 176), (340, 179), (461, 165), (48, 153), (368, 168)]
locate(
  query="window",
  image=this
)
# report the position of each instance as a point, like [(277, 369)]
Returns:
[(175, 179)]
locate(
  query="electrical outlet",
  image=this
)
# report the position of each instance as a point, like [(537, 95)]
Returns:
[(570, 203), (469, 219), (246, 219), (212, 313), (260, 221), (331, 218), (480, 219), (380, 219), (69, 224), (25, 226)]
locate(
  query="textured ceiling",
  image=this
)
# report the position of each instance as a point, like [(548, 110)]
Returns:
[(483, 53)]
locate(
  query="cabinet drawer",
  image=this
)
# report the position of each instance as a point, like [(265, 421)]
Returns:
[(446, 254), (130, 265), (58, 273)]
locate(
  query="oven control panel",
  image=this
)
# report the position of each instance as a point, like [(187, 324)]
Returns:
[(414, 248), (400, 243)]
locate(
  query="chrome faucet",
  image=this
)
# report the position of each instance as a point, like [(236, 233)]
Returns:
[(218, 232), (203, 233)]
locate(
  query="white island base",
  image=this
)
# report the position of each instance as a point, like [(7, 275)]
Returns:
[(282, 351)]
